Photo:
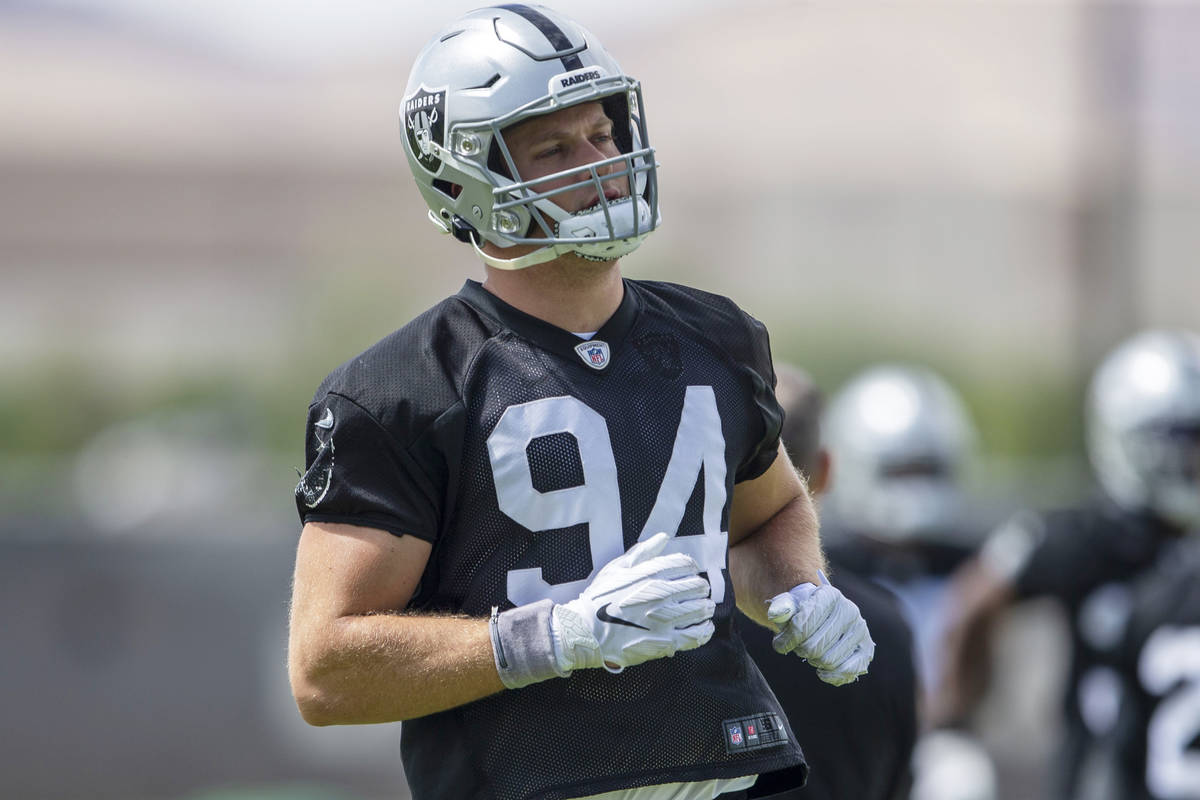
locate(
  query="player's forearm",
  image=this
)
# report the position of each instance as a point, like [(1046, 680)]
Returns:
[(783, 552), (390, 667), (978, 596)]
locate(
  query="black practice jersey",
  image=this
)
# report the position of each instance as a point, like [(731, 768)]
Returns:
[(1088, 558), (858, 739), (1157, 739), (529, 459), (896, 562)]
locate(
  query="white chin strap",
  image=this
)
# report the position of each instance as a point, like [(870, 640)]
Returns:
[(539, 256), (585, 225)]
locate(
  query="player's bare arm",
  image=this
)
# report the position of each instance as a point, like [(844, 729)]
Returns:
[(979, 598), (773, 535), (777, 568), (353, 656)]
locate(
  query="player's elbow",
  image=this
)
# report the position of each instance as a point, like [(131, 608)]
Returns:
[(315, 709), (317, 703), (314, 687)]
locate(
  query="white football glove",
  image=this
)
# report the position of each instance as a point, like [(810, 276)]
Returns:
[(822, 626), (640, 606)]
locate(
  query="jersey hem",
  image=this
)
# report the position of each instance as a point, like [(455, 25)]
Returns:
[(368, 521), (701, 772)]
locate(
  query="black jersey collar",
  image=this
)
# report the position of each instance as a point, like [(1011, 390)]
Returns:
[(550, 337)]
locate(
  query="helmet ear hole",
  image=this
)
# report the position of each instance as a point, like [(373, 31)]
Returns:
[(451, 190)]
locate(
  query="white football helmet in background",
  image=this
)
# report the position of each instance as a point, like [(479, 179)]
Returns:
[(493, 68), (1143, 425), (900, 439), (952, 765)]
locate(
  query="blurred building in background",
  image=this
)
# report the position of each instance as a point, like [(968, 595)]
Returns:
[(202, 212)]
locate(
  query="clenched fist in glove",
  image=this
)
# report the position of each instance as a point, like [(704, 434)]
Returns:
[(640, 606), (822, 626)]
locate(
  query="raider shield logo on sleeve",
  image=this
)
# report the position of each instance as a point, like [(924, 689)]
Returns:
[(424, 114), (315, 483)]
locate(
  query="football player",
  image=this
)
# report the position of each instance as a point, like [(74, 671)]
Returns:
[(1143, 431), (901, 440), (529, 511), (1157, 737), (901, 443), (858, 739)]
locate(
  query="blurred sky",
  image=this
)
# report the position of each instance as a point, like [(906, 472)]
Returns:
[(938, 160), (306, 33), (206, 198)]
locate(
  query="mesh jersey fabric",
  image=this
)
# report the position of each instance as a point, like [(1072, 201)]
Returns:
[(1088, 558), (1156, 742), (416, 441)]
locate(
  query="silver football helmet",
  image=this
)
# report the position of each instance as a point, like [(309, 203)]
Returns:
[(900, 439), (499, 66), (1143, 425)]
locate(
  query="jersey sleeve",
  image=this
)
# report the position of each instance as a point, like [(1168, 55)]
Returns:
[(1064, 558), (357, 473), (761, 372), (383, 435), (744, 344)]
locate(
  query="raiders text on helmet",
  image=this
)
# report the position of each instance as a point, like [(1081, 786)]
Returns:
[(1144, 425), (496, 67)]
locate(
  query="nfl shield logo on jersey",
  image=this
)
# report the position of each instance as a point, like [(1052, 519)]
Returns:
[(735, 734), (594, 353)]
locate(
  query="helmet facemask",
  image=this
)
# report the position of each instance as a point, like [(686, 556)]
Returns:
[(1166, 459), (919, 498), (502, 208)]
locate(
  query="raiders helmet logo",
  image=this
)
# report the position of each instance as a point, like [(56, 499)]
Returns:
[(424, 115)]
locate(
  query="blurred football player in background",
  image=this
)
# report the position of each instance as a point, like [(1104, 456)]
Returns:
[(1156, 742), (1143, 435), (898, 513), (858, 739), (527, 513)]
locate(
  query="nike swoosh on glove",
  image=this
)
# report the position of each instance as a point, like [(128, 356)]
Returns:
[(640, 606), (822, 626)]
